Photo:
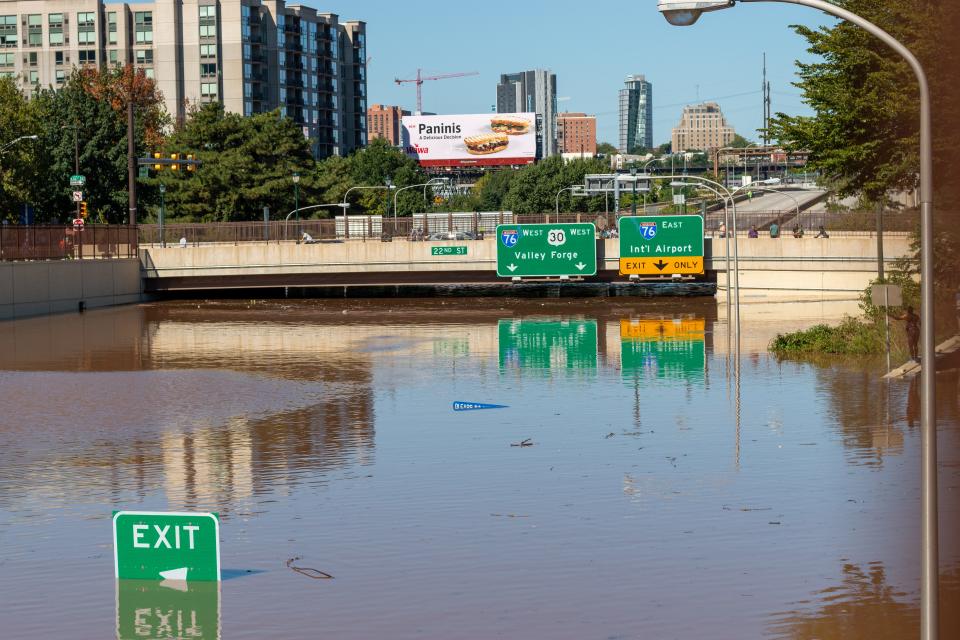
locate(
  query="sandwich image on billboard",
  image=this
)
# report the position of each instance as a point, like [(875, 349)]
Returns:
[(471, 139)]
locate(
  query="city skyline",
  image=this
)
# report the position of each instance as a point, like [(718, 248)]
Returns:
[(590, 69)]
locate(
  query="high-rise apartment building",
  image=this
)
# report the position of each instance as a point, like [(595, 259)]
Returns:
[(532, 92), (385, 121), (577, 133), (702, 127), (636, 114), (254, 56)]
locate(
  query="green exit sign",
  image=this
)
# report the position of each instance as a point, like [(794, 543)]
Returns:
[(448, 251), (150, 545), (544, 250)]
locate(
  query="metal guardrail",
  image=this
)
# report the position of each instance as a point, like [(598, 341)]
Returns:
[(66, 242), (474, 226)]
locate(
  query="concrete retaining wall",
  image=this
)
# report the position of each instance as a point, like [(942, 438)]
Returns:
[(798, 268), (57, 286)]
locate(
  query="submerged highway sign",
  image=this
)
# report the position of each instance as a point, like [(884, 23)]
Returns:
[(166, 546), (661, 245), (543, 250)]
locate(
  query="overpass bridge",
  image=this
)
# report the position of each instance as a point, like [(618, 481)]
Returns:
[(800, 268)]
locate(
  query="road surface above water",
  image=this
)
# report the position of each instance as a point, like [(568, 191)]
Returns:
[(662, 496)]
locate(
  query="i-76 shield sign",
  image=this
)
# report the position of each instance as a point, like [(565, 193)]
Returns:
[(542, 250)]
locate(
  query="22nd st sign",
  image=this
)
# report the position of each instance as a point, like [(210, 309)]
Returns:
[(545, 250)]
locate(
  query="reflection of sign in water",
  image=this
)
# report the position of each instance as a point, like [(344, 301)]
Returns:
[(166, 546), (548, 344), (149, 609), (661, 245), (672, 348)]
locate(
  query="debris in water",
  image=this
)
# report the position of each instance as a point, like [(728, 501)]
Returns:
[(528, 442), (316, 574)]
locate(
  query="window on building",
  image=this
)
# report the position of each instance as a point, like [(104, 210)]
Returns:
[(86, 37), (34, 77), (6, 59), (56, 38), (208, 69), (61, 76), (144, 56), (208, 31), (32, 58), (209, 11), (34, 20), (114, 56), (55, 20), (87, 56), (208, 51), (148, 72), (208, 89), (86, 19), (35, 39), (8, 31), (112, 27), (143, 27)]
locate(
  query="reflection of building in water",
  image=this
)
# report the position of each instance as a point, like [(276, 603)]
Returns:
[(221, 467)]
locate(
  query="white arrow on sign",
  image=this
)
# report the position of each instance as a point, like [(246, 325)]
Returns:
[(174, 574), (580, 266), (512, 267)]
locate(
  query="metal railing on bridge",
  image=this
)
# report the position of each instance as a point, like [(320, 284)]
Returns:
[(66, 242), (477, 225)]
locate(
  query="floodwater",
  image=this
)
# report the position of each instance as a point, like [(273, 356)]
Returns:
[(663, 493)]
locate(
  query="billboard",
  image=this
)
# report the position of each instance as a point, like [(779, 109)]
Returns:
[(483, 139)]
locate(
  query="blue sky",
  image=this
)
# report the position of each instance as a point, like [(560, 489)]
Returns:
[(591, 46)]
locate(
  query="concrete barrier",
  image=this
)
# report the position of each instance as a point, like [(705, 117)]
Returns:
[(57, 286), (799, 268)]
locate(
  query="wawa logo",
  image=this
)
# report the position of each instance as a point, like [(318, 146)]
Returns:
[(418, 149)]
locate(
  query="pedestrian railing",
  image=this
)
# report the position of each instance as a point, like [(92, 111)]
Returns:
[(66, 242), (478, 225)]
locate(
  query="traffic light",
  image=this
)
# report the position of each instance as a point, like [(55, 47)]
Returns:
[(174, 166), (190, 165), (157, 167), (83, 210)]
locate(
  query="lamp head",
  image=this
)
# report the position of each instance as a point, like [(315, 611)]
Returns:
[(683, 13)]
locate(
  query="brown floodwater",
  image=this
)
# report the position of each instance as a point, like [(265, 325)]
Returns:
[(664, 494)]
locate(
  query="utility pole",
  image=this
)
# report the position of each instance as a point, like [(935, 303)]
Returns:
[(76, 158), (131, 160), (765, 86)]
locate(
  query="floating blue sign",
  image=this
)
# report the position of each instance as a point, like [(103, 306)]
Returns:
[(474, 406)]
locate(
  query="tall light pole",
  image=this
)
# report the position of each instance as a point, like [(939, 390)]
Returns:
[(296, 200), (434, 181), (15, 141), (633, 198), (686, 12)]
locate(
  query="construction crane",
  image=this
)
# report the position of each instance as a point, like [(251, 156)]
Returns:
[(420, 79)]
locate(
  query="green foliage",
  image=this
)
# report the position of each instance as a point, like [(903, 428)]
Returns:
[(606, 149), (850, 337), (864, 137), (247, 164), (739, 142), (86, 118), (372, 167)]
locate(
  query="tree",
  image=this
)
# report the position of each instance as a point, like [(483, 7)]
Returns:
[(739, 142), (247, 163), (864, 136), (665, 148), (373, 166), (18, 161), (606, 149)]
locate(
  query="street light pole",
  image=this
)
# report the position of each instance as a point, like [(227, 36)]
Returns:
[(685, 12), (633, 198), (296, 200)]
